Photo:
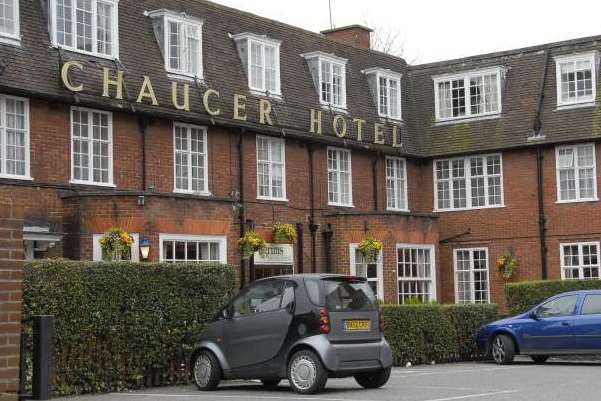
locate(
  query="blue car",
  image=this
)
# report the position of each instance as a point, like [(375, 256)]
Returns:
[(566, 324)]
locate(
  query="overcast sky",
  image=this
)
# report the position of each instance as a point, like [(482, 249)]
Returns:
[(432, 30)]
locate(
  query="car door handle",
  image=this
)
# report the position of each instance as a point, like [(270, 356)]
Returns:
[(566, 324)]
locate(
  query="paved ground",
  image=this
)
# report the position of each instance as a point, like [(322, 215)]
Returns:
[(524, 381)]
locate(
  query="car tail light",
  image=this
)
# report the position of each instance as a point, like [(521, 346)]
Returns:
[(324, 321), (381, 320)]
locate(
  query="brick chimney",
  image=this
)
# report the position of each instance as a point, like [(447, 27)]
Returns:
[(354, 35)]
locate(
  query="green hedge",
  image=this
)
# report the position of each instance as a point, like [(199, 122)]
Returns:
[(525, 295), (122, 325), (440, 333)]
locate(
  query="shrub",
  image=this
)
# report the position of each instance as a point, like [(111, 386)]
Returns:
[(525, 295), (441, 333), (122, 325)]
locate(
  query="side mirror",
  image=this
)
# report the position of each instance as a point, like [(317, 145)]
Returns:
[(532, 315), (290, 307), (225, 313)]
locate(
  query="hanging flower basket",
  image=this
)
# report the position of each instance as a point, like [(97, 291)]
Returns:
[(284, 233), (507, 265), (116, 244), (250, 243), (370, 248)]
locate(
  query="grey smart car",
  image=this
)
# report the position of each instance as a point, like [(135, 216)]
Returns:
[(304, 328)]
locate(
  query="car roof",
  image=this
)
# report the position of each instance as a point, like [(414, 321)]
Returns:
[(580, 292), (302, 276)]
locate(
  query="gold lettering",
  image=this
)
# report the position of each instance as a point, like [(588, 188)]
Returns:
[(379, 133), (146, 91), (265, 111), (174, 97), (65, 76), (360, 123), (315, 122), (115, 82), (239, 106), (339, 133), (205, 101), (396, 139)]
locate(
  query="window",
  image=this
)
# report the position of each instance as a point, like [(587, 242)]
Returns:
[(396, 184), (576, 78), (193, 248), (9, 21), (563, 306), (416, 273), (339, 177), (180, 39), (261, 58), (592, 305), (580, 261), (91, 147), (271, 170), (98, 254), (386, 89), (371, 270), (471, 94), (14, 137), (471, 276), (468, 183), (329, 75), (190, 159), (260, 297), (86, 26), (576, 173)]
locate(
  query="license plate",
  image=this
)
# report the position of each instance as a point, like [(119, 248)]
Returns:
[(356, 325)]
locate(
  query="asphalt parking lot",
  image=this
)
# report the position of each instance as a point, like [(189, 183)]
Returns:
[(523, 381)]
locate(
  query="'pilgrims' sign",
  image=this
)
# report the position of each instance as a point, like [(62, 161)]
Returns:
[(275, 254), (112, 87)]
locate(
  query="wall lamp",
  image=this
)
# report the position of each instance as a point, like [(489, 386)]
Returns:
[(144, 248)]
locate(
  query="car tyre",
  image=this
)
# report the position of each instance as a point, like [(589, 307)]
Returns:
[(539, 359), (206, 371), (306, 373), (503, 349), (373, 379), (269, 383)]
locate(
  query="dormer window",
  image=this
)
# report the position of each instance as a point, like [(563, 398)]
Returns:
[(180, 40), (86, 26), (9, 21), (260, 57), (329, 77), (576, 78), (385, 86), (467, 95)]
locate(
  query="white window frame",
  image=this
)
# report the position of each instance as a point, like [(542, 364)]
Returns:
[(396, 180), (97, 249), (472, 274), (188, 127), (91, 181), (576, 169), (221, 239), (271, 141), (263, 41), (580, 266), (593, 57), (3, 168), (114, 28), (499, 71), (321, 58), (350, 172), (15, 37), (378, 73), (380, 268), (468, 184), (429, 247)]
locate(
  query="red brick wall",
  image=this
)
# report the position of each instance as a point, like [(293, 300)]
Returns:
[(11, 265)]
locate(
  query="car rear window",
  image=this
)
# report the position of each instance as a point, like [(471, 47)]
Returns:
[(344, 295)]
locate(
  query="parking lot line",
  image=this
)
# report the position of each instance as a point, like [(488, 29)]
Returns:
[(262, 397), (415, 373)]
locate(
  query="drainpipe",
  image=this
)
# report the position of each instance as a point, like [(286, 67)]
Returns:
[(312, 226), (300, 247), (143, 124), (327, 240), (542, 221), (241, 211), (374, 172)]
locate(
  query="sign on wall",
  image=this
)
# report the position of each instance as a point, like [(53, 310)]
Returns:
[(275, 254)]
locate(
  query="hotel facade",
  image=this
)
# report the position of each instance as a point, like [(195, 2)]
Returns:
[(186, 123)]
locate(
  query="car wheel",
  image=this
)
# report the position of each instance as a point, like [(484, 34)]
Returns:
[(206, 371), (373, 379), (306, 373), (503, 349), (270, 382), (539, 359)]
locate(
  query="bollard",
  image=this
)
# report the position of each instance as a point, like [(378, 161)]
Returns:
[(43, 333)]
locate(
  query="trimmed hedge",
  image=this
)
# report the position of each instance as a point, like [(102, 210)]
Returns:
[(525, 295), (440, 333), (122, 325)]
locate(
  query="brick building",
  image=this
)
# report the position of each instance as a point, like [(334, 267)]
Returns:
[(186, 122)]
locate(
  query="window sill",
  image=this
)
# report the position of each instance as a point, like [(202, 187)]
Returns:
[(16, 177), (467, 209), (561, 202), (467, 119), (93, 184), (267, 198), (197, 193), (86, 53), (390, 209), (579, 105), (184, 77), (391, 119), (336, 109), (11, 40), (265, 94), (350, 205)]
